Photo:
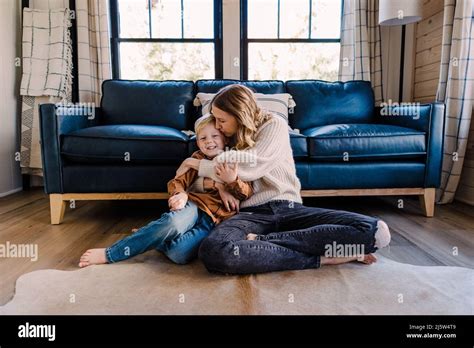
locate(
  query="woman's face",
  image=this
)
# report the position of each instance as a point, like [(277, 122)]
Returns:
[(225, 122)]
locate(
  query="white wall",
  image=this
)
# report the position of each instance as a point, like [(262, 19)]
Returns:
[(391, 46), (10, 177), (231, 38)]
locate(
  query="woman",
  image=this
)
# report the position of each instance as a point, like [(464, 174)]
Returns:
[(273, 230)]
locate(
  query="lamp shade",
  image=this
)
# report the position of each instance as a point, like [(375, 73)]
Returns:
[(399, 12)]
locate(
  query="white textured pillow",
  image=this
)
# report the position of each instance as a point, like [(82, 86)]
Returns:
[(277, 103)]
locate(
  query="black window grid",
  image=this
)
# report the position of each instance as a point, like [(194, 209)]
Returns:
[(115, 38), (244, 40)]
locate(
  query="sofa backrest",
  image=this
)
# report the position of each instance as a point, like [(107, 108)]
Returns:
[(320, 103), (266, 87), (162, 103)]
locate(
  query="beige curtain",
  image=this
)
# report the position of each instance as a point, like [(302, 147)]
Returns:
[(455, 89), (93, 48), (30, 161), (361, 49)]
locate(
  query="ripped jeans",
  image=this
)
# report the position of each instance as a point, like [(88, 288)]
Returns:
[(290, 236), (176, 233)]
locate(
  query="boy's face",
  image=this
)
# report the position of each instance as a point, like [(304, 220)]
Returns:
[(210, 141)]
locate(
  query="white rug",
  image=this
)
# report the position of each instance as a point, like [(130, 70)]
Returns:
[(150, 284)]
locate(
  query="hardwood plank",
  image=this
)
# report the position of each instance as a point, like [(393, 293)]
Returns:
[(19, 199), (429, 40), (432, 7), (427, 72), (430, 56), (426, 88), (424, 100), (429, 24)]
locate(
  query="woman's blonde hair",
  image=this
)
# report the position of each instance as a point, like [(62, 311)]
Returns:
[(240, 102)]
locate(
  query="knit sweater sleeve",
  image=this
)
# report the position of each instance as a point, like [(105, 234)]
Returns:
[(270, 144)]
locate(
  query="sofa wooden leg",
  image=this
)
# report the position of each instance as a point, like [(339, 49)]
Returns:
[(427, 201), (58, 207)]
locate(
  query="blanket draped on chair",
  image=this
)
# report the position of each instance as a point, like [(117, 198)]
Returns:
[(47, 75)]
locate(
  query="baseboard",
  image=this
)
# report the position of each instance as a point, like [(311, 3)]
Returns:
[(3, 194)]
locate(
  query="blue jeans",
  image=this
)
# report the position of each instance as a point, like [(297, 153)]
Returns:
[(290, 236), (177, 234)]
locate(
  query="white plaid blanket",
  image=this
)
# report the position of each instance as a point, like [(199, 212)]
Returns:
[(47, 53)]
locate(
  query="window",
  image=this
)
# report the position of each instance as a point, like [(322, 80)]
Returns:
[(290, 39), (166, 39)]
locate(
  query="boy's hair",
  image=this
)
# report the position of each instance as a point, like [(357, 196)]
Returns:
[(203, 121)]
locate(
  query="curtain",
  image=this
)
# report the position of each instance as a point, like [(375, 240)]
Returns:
[(30, 159), (455, 89), (93, 48), (94, 67), (361, 48)]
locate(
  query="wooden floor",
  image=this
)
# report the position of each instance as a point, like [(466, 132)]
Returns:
[(445, 240)]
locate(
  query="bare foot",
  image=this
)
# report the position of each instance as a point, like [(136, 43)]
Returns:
[(134, 230), (93, 257), (251, 236), (366, 259)]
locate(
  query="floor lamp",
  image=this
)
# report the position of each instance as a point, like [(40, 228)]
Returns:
[(400, 12)]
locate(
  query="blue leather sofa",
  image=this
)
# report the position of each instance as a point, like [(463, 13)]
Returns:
[(343, 145)]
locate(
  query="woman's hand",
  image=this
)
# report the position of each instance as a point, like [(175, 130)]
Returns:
[(227, 172), (178, 201), (188, 163), (230, 202)]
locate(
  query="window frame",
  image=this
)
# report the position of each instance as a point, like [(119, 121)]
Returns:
[(244, 40), (115, 38)]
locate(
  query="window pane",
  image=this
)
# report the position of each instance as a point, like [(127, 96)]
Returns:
[(262, 19), (167, 61), (286, 61), (133, 18), (294, 19), (326, 22), (166, 19), (199, 19)]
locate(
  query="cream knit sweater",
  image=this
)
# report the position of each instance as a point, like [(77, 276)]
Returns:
[(269, 165)]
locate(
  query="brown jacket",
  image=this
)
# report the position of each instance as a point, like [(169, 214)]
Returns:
[(210, 202)]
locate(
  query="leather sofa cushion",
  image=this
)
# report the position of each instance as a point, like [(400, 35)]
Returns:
[(360, 175), (364, 142), (299, 145), (320, 103), (159, 103), (110, 144)]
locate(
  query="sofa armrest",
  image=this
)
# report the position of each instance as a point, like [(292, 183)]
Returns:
[(55, 121), (428, 118)]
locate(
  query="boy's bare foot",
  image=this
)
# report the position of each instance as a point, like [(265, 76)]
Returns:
[(251, 236), (366, 259), (134, 230), (93, 257)]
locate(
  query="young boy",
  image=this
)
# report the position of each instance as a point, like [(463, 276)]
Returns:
[(192, 216)]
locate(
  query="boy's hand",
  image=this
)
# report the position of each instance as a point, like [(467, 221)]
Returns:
[(178, 201), (227, 172)]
